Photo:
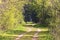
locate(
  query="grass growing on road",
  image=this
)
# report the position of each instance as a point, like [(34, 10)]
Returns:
[(13, 33)]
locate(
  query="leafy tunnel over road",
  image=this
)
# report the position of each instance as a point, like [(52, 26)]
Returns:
[(29, 14)]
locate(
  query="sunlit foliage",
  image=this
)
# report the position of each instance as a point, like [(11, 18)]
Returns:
[(11, 13)]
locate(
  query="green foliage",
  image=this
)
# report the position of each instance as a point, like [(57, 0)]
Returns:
[(48, 12), (11, 14), (41, 9), (55, 23)]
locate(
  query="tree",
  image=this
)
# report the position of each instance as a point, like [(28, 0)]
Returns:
[(11, 14), (55, 24)]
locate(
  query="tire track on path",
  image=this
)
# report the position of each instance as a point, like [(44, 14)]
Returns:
[(21, 35), (35, 37)]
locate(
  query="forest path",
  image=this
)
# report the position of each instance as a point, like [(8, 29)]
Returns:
[(21, 35), (31, 33)]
